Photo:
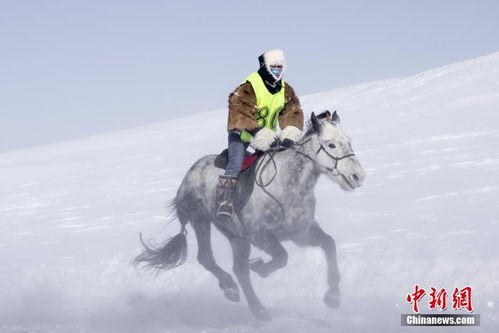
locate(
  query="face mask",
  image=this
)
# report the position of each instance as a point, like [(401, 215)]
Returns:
[(276, 71)]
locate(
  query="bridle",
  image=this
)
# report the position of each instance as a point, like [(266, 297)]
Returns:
[(336, 159)]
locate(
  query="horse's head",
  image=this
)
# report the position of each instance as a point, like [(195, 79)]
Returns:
[(331, 149)]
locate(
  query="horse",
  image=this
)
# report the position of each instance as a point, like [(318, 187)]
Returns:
[(280, 208)]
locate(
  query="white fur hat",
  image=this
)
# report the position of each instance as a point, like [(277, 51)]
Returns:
[(274, 57)]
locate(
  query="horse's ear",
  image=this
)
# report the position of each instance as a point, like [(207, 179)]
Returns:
[(315, 122), (335, 118)]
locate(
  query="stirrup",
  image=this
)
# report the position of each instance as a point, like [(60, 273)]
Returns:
[(221, 211)]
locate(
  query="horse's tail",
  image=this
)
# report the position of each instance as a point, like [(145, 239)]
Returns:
[(172, 253)]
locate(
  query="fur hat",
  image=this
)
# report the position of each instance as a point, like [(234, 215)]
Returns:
[(273, 57)]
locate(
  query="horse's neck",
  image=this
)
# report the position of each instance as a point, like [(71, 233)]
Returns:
[(298, 163), (305, 153)]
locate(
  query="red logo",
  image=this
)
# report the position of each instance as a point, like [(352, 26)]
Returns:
[(461, 298), (415, 297), (438, 299)]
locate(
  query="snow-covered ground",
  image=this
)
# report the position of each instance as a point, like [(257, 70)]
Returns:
[(70, 214)]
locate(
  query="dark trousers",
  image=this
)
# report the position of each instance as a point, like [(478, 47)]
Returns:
[(237, 151)]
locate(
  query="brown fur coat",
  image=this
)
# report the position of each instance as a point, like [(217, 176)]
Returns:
[(242, 107)]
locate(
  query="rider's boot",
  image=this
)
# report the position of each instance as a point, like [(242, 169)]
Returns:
[(225, 190)]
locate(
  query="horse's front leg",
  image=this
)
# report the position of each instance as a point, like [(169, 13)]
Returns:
[(241, 251), (272, 246), (317, 237)]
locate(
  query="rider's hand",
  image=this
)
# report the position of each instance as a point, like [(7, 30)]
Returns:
[(286, 143), (264, 139), (289, 133)]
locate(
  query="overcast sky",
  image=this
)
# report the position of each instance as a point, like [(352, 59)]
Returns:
[(74, 68)]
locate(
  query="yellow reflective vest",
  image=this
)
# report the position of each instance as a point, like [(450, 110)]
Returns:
[(269, 105)]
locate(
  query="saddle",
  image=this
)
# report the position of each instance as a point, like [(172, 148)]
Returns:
[(222, 159)]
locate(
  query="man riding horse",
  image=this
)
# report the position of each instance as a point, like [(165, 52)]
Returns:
[(255, 107)]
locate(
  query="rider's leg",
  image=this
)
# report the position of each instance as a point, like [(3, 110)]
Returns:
[(237, 149), (227, 182)]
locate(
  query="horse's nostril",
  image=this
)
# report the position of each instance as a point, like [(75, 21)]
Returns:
[(355, 177)]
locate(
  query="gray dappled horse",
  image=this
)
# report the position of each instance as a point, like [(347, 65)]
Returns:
[(281, 207)]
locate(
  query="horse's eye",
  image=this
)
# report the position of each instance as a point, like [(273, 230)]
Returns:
[(331, 145)]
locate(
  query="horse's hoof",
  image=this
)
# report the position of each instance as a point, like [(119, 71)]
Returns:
[(332, 300), (232, 294), (262, 314), (257, 265)]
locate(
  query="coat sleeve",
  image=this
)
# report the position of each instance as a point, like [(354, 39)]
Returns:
[(292, 115), (242, 107)]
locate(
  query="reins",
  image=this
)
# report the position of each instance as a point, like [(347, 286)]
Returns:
[(271, 153), (259, 178)]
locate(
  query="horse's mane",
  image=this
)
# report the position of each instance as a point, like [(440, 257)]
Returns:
[(309, 128)]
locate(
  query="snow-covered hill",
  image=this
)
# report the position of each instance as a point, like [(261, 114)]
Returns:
[(70, 214)]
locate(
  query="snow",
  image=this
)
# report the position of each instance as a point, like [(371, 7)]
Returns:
[(427, 214)]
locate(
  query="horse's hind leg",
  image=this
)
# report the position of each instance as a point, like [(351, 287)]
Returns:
[(202, 228), (272, 246), (241, 249), (317, 237)]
